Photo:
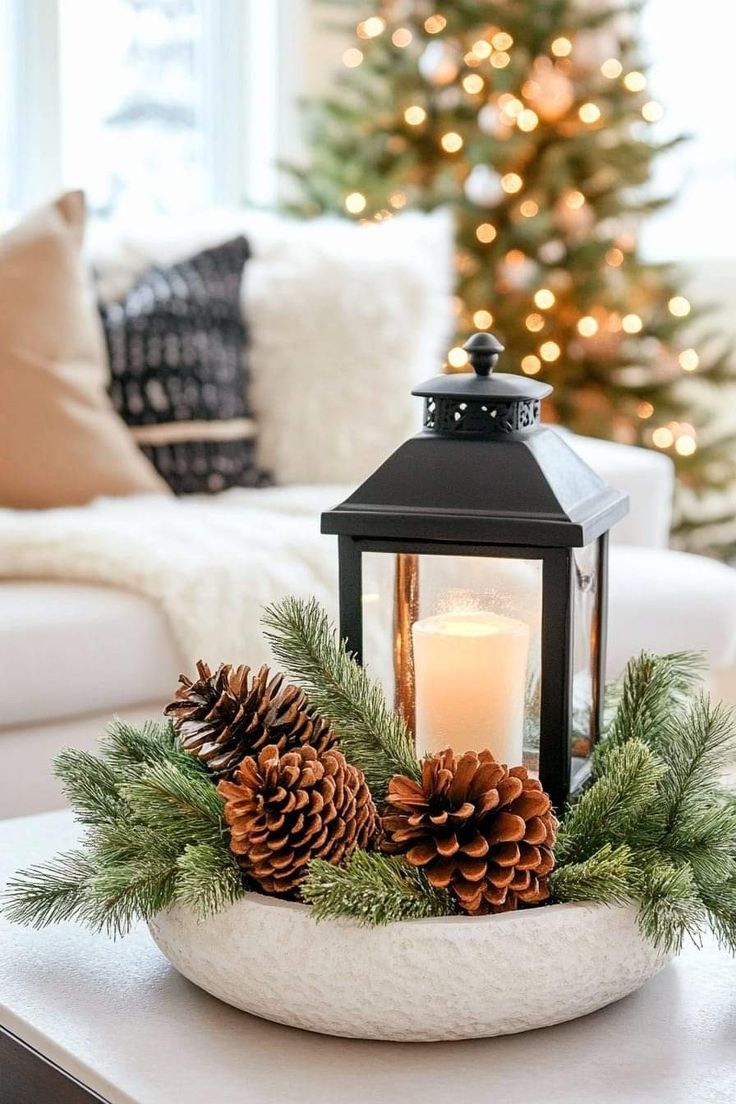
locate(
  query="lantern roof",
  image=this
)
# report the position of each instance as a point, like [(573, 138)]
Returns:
[(483, 470)]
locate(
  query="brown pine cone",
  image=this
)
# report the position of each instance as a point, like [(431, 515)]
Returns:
[(285, 809), (222, 717), (476, 828)]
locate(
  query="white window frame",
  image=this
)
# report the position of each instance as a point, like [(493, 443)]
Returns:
[(253, 74)]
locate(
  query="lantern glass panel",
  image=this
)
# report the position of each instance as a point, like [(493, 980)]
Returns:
[(586, 644), (455, 642)]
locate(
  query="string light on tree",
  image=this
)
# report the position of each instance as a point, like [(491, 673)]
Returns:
[(663, 437), (589, 113), (635, 81), (531, 365), (482, 319), (644, 410), (512, 183), (614, 257), (473, 83), (534, 323), (397, 200), (685, 444), (500, 59), (631, 324), (679, 306), (451, 142), (544, 298), (527, 120), (486, 233), (612, 68), (502, 41), (457, 357), (415, 115), (481, 49), (352, 58), (587, 326), (529, 208), (549, 351), (435, 23), (355, 202), (371, 27), (402, 37), (689, 360), (561, 47), (652, 111)]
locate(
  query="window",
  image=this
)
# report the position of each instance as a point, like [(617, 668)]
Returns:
[(149, 105)]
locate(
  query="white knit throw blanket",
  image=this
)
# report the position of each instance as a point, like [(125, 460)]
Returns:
[(210, 563)]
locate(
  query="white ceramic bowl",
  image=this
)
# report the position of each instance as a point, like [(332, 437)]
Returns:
[(423, 980)]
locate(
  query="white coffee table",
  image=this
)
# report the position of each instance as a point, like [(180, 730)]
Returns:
[(86, 1019)]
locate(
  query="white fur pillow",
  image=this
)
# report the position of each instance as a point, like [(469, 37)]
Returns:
[(344, 318)]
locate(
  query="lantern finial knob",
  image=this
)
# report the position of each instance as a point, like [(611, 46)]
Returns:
[(483, 350)]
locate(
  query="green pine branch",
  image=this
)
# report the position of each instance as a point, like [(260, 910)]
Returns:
[(372, 736), (372, 889)]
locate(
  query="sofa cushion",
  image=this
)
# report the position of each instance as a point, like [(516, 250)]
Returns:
[(61, 442), (177, 347), (71, 649)]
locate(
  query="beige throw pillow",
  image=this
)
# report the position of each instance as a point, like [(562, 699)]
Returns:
[(61, 442)]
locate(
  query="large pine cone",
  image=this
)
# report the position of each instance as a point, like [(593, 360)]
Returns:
[(286, 809), (222, 717), (476, 828)]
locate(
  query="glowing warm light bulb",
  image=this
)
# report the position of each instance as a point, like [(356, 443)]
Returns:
[(482, 49), (352, 57), (589, 112), (544, 298), (635, 81), (451, 142), (587, 326), (612, 68), (457, 357), (355, 202), (435, 23), (510, 106), (397, 200), (652, 111), (663, 437), (685, 444), (371, 27), (534, 323), (485, 232), (529, 208), (502, 41), (549, 351), (631, 323), (575, 200), (500, 59), (515, 257), (401, 37), (679, 306), (482, 319), (527, 119), (473, 83), (511, 182), (415, 115), (615, 257), (531, 365), (561, 47), (644, 410), (689, 360)]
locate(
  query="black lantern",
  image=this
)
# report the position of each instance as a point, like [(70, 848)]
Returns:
[(473, 569)]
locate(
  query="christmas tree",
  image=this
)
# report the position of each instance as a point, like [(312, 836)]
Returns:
[(531, 119)]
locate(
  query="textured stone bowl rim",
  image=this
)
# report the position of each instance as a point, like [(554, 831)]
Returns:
[(498, 974)]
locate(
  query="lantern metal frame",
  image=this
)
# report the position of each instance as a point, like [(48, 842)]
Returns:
[(484, 478)]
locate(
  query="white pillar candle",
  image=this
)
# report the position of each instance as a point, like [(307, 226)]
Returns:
[(470, 681)]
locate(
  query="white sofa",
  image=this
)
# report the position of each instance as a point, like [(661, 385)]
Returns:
[(367, 307), (73, 654)]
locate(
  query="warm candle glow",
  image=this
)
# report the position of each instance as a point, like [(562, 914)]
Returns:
[(470, 683)]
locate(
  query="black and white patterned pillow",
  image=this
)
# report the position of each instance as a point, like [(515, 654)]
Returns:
[(179, 374)]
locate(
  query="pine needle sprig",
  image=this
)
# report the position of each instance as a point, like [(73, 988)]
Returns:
[(607, 876), (371, 735), (208, 879), (51, 892), (670, 907), (619, 807), (371, 889), (177, 805), (90, 785)]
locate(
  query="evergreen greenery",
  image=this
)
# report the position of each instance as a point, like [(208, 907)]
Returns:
[(371, 735), (652, 828), (532, 122), (372, 889)]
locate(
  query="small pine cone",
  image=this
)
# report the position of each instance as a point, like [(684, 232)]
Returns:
[(476, 828), (221, 718), (284, 809)]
